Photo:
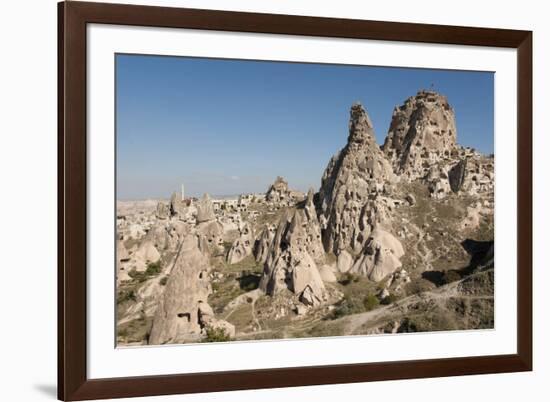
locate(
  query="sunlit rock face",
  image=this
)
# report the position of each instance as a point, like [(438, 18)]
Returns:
[(354, 179), (295, 251), (422, 133)]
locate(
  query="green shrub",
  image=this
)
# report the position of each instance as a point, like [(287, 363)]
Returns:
[(418, 285), (391, 298), (123, 333), (216, 335), (163, 280), (348, 278), (126, 296), (153, 268), (354, 304), (371, 302)]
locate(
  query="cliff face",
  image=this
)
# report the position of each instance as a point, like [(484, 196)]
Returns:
[(295, 251), (355, 178), (422, 131)]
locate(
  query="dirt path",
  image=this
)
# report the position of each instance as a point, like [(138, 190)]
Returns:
[(353, 322)]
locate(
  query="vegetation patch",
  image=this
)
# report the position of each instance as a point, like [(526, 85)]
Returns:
[(216, 335)]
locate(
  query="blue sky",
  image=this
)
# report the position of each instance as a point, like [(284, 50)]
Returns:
[(228, 126)]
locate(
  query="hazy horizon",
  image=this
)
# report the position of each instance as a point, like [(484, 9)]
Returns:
[(227, 127)]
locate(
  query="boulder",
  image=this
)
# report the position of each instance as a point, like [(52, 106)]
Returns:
[(381, 256), (410, 199)]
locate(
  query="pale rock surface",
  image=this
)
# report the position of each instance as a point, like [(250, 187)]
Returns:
[(263, 244), (278, 191), (210, 236), (381, 256), (145, 254), (135, 231), (295, 251), (345, 261), (421, 133), (183, 313), (163, 210), (177, 205), (242, 246), (205, 209), (348, 199), (438, 182), (327, 275)]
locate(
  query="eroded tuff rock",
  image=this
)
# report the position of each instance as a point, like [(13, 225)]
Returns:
[(351, 188), (183, 314), (242, 246), (205, 209), (381, 256), (295, 251), (422, 132), (210, 237), (473, 173), (278, 191), (163, 211), (438, 182), (177, 205), (457, 174), (262, 245)]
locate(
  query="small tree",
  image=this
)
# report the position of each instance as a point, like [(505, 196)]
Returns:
[(371, 302), (216, 335)]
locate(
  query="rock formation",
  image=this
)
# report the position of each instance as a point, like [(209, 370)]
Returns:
[(242, 246), (145, 254), (457, 174), (177, 205), (295, 251), (354, 180), (388, 214), (278, 191), (205, 210), (163, 211), (438, 182), (263, 244), (421, 133), (183, 314), (381, 256), (210, 237)]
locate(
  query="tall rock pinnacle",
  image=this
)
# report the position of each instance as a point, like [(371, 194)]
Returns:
[(350, 186)]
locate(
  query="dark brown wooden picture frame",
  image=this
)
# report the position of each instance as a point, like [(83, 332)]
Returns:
[(73, 383)]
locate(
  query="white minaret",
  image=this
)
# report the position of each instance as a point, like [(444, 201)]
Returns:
[(182, 193)]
